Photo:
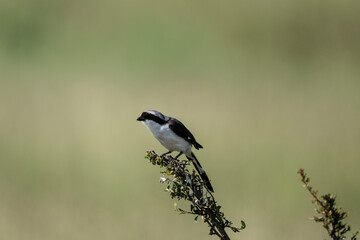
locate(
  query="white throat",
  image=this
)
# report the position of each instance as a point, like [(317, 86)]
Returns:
[(154, 127)]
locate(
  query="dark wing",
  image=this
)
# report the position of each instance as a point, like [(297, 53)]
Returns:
[(183, 132)]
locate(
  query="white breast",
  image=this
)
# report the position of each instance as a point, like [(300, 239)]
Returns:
[(168, 138)]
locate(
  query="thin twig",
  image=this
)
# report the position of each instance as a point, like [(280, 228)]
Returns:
[(189, 186)]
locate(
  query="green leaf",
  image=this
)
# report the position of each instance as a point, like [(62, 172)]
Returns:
[(243, 225)]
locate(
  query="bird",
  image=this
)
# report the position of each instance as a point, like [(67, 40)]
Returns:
[(174, 136)]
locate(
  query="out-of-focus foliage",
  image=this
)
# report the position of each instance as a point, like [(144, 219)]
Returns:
[(331, 215)]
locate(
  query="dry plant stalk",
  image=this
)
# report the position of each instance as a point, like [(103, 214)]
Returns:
[(331, 216)]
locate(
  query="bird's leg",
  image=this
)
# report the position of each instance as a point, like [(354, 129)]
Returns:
[(164, 154), (178, 155)]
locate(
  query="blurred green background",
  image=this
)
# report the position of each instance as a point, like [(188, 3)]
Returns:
[(266, 88)]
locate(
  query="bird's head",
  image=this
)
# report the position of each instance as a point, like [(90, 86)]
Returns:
[(152, 115)]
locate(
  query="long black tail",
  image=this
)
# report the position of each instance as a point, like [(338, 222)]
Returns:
[(201, 171)]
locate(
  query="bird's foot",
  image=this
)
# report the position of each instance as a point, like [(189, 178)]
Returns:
[(178, 156), (164, 154)]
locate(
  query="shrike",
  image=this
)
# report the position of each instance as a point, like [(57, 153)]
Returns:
[(174, 136)]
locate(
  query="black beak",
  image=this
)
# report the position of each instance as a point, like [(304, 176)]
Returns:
[(140, 119)]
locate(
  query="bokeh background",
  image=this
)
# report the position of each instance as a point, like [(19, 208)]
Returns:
[(266, 87)]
